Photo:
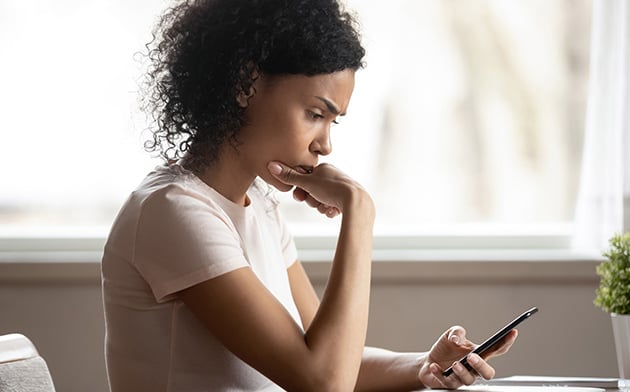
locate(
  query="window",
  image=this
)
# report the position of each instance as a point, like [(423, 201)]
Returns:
[(70, 132), (468, 119), (469, 115)]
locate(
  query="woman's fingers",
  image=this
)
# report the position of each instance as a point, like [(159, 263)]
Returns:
[(480, 366), (504, 346), (324, 188), (286, 174), (301, 195), (439, 381), (464, 375), (450, 347)]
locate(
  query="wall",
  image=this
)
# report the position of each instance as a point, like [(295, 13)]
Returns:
[(58, 305)]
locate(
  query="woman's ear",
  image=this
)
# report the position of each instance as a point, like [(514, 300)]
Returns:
[(243, 97)]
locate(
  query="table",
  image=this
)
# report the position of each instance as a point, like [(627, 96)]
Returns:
[(549, 384)]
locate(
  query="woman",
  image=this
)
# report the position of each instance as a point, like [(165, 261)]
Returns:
[(202, 286)]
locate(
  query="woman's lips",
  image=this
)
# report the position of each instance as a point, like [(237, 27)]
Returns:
[(304, 169)]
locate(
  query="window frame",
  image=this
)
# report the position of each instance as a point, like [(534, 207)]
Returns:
[(85, 244)]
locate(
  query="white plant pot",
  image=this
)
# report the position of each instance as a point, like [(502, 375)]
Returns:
[(621, 331)]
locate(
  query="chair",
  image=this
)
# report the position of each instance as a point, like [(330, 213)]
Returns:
[(22, 369)]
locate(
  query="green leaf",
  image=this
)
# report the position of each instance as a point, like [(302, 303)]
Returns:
[(613, 294)]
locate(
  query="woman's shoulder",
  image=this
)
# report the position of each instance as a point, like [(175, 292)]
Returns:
[(163, 180), (169, 188)]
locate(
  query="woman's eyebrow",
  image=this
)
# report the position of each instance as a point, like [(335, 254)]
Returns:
[(330, 106)]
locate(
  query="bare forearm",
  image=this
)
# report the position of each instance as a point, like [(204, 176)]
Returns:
[(385, 371), (337, 334)]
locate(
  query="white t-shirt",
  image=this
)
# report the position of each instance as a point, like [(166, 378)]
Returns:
[(173, 232)]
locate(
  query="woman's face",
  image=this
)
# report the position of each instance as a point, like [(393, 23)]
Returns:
[(289, 120)]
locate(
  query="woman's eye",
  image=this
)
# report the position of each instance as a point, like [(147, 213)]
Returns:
[(316, 116)]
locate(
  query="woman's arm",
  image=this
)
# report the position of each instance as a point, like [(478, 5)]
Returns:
[(381, 370), (251, 323), (384, 370)]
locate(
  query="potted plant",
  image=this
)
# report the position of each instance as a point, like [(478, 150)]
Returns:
[(613, 296)]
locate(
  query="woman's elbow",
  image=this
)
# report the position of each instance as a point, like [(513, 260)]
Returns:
[(328, 382)]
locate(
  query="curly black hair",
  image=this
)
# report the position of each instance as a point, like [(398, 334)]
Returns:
[(206, 52)]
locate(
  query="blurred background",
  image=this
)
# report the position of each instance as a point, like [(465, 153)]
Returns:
[(469, 124), (468, 114)]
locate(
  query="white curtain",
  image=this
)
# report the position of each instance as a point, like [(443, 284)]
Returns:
[(606, 155)]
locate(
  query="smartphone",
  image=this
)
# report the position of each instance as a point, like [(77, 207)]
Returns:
[(492, 340)]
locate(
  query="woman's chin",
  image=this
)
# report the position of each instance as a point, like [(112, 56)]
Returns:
[(282, 187)]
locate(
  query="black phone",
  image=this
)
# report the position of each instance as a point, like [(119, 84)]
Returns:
[(492, 340)]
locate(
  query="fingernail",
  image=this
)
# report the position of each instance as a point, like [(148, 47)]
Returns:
[(455, 339), (274, 168), (473, 359)]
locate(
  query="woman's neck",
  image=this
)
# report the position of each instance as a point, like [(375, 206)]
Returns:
[(228, 176)]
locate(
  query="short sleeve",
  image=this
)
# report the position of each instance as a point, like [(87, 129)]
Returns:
[(289, 250), (287, 243), (183, 239)]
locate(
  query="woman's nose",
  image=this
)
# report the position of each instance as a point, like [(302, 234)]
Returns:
[(322, 145)]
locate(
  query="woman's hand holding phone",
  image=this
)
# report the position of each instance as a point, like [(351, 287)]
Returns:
[(454, 360), (493, 340)]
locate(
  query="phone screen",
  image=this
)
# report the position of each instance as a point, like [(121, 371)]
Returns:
[(492, 340)]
